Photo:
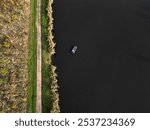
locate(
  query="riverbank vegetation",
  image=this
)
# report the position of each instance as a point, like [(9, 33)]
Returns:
[(50, 96)]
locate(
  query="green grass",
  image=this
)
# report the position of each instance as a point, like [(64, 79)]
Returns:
[(46, 93), (32, 65)]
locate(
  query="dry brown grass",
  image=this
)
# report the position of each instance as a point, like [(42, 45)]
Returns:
[(14, 30), (54, 85)]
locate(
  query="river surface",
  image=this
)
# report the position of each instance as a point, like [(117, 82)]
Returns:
[(110, 71)]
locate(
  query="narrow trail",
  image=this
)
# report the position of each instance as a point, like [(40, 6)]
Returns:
[(39, 59)]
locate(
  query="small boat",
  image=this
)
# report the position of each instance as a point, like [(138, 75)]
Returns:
[(74, 49)]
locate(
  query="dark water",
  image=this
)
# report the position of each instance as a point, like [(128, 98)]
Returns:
[(110, 71)]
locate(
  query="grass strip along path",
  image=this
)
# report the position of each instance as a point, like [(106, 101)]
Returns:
[(32, 59), (46, 82)]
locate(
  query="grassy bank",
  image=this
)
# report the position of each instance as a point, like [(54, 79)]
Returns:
[(46, 83), (53, 75), (32, 59)]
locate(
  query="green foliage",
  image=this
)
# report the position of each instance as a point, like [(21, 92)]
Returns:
[(32, 64), (46, 83), (4, 71), (7, 44)]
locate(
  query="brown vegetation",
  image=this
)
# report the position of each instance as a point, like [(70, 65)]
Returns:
[(14, 27), (54, 85)]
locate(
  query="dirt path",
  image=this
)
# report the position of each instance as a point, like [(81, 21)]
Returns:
[(39, 59)]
